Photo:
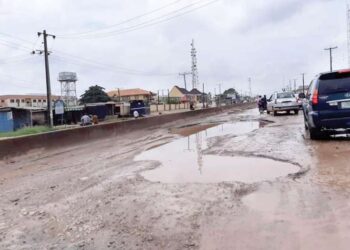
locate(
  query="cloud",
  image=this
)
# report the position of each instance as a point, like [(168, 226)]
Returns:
[(268, 40)]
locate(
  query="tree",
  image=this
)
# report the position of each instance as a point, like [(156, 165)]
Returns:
[(94, 94), (230, 92)]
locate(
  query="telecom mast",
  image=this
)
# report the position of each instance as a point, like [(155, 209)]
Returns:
[(195, 81)]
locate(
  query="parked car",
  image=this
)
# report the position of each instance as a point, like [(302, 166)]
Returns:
[(300, 99), (327, 109), (284, 101)]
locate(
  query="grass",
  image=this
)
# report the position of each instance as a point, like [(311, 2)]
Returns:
[(26, 131)]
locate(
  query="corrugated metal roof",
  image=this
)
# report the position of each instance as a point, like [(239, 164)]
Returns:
[(128, 92)]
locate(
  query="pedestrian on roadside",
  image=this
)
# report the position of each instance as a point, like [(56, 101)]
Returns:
[(85, 120), (136, 114), (264, 102), (95, 119)]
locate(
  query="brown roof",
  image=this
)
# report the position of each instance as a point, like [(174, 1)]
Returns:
[(25, 96), (182, 90), (128, 92)]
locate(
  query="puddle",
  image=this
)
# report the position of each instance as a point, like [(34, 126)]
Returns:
[(214, 129), (183, 160)]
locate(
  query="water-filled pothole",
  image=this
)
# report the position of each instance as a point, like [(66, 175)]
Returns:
[(183, 160)]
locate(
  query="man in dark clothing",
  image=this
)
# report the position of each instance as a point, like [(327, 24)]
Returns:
[(264, 102)]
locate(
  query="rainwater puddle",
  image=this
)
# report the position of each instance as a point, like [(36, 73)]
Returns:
[(183, 160)]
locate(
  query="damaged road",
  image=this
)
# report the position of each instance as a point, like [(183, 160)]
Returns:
[(238, 180)]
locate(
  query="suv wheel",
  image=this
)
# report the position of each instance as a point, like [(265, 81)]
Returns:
[(316, 134), (296, 112)]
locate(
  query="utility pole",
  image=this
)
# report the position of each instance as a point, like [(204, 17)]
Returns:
[(250, 87), (47, 74), (295, 84), (303, 74), (203, 96), (219, 94), (184, 74), (331, 56)]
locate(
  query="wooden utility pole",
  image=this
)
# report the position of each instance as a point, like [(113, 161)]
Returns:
[(47, 75), (331, 56)]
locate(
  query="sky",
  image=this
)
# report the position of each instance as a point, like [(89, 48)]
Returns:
[(147, 43)]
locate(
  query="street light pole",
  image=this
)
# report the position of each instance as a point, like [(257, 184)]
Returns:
[(303, 74), (331, 56)]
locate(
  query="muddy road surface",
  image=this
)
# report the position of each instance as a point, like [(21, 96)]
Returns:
[(238, 180)]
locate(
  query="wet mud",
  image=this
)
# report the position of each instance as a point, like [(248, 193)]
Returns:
[(236, 180), (185, 160)]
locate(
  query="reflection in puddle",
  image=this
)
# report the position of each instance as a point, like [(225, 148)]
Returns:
[(183, 161)]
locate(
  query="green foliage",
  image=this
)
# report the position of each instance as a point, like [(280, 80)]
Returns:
[(230, 91), (94, 94), (26, 131)]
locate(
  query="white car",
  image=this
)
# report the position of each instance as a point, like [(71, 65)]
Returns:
[(284, 101)]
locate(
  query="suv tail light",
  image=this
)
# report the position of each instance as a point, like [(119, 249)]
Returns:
[(315, 97)]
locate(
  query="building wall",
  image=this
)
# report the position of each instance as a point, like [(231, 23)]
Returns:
[(133, 98), (21, 102), (6, 121), (175, 92), (21, 119)]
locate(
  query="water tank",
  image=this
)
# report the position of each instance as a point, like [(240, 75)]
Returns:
[(67, 77)]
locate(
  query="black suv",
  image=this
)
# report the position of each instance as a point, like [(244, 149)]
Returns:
[(327, 105)]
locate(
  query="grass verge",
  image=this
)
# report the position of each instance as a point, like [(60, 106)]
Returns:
[(26, 131)]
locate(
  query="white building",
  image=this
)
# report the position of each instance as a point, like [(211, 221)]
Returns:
[(25, 101)]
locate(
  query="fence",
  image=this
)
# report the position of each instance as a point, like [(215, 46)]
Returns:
[(168, 107)]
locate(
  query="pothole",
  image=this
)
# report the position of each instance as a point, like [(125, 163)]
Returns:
[(184, 161)]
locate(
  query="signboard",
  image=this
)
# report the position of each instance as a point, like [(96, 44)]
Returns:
[(59, 107), (233, 96), (9, 115)]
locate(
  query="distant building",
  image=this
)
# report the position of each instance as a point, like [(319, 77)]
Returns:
[(181, 95), (25, 101), (199, 96), (128, 95), (12, 119)]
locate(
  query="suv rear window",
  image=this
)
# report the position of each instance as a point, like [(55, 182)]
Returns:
[(335, 82), (284, 95), (334, 86)]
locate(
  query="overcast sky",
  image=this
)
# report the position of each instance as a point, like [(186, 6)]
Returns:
[(271, 41)]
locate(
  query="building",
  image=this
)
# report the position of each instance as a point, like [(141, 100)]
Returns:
[(181, 95), (12, 119), (25, 101), (199, 96), (128, 95)]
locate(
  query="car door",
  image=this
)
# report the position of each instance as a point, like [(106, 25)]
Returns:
[(270, 102), (307, 103)]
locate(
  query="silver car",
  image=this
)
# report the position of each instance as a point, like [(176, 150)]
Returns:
[(284, 101)]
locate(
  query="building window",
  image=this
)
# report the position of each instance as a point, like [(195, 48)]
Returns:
[(39, 100), (44, 100), (2, 101), (34, 100), (12, 101), (22, 100)]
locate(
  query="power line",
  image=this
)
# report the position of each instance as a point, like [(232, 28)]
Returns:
[(19, 80), (19, 59), (124, 21), (83, 61), (331, 56), (148, 23), (184, 74)]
